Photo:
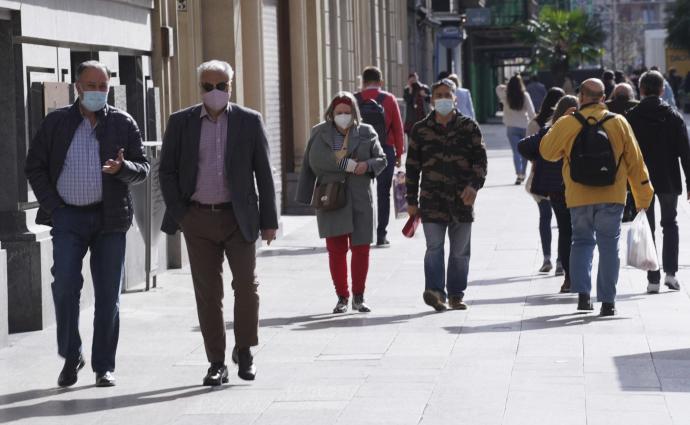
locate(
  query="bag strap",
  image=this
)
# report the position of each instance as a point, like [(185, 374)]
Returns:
[(380, 98), (581, 118)]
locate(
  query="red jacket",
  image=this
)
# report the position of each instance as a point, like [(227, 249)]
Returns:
[(393, 119)]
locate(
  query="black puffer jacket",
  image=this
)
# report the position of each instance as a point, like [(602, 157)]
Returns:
[(115, 130), (548, 176), (663, 138)]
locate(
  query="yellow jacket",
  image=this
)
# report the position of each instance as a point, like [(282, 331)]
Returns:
[(558, 143)]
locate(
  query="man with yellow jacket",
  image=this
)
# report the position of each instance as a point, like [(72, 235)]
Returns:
[(596, 211)]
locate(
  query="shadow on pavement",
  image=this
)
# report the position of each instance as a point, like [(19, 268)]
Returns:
[(6, 399), (516, 279), (326, 321), (535, 323), (547, 299), (659, 371), (87, 405), (291, 252)]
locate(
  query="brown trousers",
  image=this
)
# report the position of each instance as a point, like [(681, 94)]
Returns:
[(209, 235)]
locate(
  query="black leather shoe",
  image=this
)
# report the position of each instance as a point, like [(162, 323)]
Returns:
[(106, 379), (68, 375), (608, 309), (243, 358), (584, 302), (217, 374), (383, 243)]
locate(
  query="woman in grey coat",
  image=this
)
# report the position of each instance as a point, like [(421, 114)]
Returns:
[(342, 148)]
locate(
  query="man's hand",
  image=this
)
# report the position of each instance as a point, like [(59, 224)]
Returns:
[(361, 168), (397, 161), (412, 210), (268, 235), (468, 195), (112, 166)]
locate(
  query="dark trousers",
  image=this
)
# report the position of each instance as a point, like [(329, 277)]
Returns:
[(383, 192), (545, 226), (565, 231), (210, 235), (668, 203), (74, 232)]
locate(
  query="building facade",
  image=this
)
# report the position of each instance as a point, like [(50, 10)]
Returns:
[(41, 43), (290, 58)]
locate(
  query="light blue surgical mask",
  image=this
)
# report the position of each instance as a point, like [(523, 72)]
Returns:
[(444, 106), (94, 101)]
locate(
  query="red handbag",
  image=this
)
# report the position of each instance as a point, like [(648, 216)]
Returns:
[(411, 226)]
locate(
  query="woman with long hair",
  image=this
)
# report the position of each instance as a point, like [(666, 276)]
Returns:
[(548, 181), (343, 152), (517, 112), (539, 122)]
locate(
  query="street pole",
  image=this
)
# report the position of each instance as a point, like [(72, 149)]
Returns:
[(613, 33)]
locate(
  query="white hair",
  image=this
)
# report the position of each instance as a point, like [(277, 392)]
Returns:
[(623, 88), (215, 65)]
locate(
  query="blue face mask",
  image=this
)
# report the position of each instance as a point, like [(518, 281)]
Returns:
[(444, 106), (94, 100)]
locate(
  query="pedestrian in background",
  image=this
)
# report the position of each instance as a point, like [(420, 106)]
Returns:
[(380, 109), (536, 90), (667, 94), (80, 165), (622, 99), (517, 113), (663, 137), (463, 98), (541, 197), (608, 78), (548, 182), (446, 166), (344, 149), (596, 210), (416, 97), (215, 157)]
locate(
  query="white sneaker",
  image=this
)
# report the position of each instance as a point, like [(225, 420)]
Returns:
[(672, 282), (653, 288)]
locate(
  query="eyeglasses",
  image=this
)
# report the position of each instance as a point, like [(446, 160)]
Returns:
[(220, 86)]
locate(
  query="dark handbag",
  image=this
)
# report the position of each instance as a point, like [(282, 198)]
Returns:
[(329, 196)]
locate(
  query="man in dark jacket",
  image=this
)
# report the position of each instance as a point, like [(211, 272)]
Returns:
[(663, 138), (80, 165), (622, 99), (213, 153), (448, 155)]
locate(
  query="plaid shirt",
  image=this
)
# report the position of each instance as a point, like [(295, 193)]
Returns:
[(81, 180), (212, 185)]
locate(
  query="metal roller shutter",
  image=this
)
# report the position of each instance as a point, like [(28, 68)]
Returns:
[(272, 92)]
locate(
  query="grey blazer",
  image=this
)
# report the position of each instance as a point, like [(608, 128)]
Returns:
[(320, 165), (246, 161)]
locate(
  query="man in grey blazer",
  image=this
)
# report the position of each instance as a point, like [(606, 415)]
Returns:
[(213, 153)]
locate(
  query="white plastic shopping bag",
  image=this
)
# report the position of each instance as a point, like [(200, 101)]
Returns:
[(641, 250)]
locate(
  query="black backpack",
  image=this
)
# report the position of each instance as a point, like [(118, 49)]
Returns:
[(592, 161), (373, 114)]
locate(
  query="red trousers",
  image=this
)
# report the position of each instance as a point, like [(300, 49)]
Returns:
[(337, 260)]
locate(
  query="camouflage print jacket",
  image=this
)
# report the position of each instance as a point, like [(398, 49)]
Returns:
[(448, 158)]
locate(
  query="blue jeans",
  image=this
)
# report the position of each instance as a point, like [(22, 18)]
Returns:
[(384, 181), (598, 224), (545, 227), (458, 259), (515, 134), (74, 232)]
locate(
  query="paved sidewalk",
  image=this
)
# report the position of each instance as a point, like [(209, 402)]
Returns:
[(519, 355)]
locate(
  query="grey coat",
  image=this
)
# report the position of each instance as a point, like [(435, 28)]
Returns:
[(357, 217)]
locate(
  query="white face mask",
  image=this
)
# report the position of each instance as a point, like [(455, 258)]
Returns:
[(444, 106), (343, 120)]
